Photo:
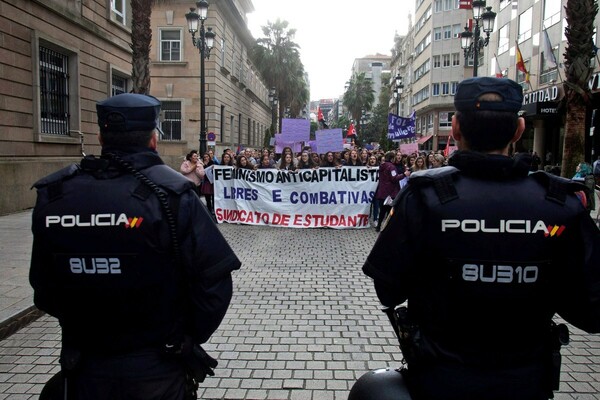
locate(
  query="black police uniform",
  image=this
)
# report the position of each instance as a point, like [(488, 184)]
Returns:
[(104, 263), (486, 255)]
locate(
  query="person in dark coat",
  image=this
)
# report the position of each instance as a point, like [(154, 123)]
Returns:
[(388, 187), (131, 264)]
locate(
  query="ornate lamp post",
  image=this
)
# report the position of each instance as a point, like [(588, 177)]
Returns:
[(398, 92), (472, 42), (274, 102), (204, 43)]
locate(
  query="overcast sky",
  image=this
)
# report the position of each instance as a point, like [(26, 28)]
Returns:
[(332, 33)]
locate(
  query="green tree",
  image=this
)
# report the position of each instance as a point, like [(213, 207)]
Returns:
[(277, 57), (141, 38), (342, 122), (578, 70), (359, 97)]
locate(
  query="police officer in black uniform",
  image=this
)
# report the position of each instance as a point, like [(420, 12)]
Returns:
[(486, 254), (130, 262)]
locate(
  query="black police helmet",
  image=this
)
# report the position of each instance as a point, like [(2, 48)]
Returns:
[(380, 384)]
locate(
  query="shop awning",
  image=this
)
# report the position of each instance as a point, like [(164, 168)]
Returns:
[(423, 139)]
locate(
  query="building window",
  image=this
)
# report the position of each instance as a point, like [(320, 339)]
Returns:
[(521, 76), (548, 72), (551, 12), (118, 10), (455, 59), (525, 21), (445, 88), (445, 60), (119, 84), (448, 32), (457, 29), (170, 45), (429, 121), (437, 34), (446, 119), (171, 120), (503, 40), (448, 5), (453, 87), (435, 89), (222, 124), (437, 61), (437, 7), (54, 92), (223, 54)]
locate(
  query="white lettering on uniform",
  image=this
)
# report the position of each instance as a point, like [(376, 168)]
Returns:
[(70, 221), (499, 273), (502, 226)]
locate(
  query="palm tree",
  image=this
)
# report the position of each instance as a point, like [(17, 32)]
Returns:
[(277, 57), (578, 69), (141, 37), (359, 97)]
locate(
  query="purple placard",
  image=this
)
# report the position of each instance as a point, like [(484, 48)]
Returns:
[(295, 129), (330, 140), (281, 142)]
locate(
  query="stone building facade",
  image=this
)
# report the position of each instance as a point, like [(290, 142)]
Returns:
[(59, 57), (238, 111)]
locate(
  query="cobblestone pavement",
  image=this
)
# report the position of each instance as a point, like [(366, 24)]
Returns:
[(304, 323)]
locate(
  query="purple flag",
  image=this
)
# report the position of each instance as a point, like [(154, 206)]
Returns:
[(400, 127)]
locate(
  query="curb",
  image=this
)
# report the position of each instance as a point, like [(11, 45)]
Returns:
[(18, 321)]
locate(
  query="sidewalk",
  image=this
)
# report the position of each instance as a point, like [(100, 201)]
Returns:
[(16, 295)]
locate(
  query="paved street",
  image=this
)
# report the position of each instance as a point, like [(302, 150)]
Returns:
[(304, 321)]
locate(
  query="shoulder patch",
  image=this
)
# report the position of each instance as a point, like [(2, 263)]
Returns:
[(442, 180), (429, 175), (57, 176), (557, 187)]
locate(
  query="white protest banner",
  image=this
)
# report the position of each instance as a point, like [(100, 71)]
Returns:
[(310, 198)]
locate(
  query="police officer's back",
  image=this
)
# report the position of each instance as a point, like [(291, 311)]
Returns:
[(486, 254), (129, 261)]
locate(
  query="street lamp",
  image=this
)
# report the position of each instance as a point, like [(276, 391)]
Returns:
[(204, 43), (398, 92), (274, 102), (472, 42)]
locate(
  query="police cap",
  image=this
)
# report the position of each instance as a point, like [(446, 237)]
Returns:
[(469, 90), (128, 112)]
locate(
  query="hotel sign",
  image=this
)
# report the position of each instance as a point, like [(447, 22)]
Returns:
[(542, 95), (542, 103)]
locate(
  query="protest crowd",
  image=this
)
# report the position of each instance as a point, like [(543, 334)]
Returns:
[(399, 164)]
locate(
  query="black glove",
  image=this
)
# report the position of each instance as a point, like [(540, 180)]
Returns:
[(197, 361)]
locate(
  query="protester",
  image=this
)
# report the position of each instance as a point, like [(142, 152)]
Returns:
[(227, 159), (265, 162), (305, 161), (137, 283), (243, 163), (388, 186), (583, 175), (287, 163), (486, 254), (330, 160), (193, 169), (207, 188)]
